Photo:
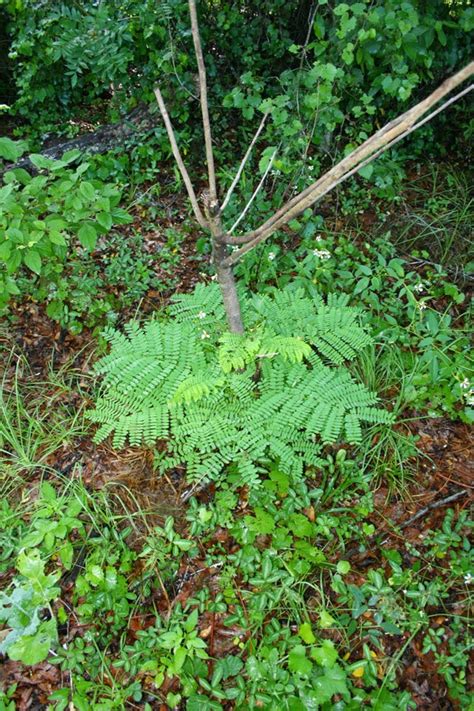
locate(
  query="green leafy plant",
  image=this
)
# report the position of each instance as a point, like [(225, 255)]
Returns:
[(310, 69), (7, 702), (29, 636), (52, 522), (41, 216), (303, 620), (220, 398), (93, 288), (419, 318)]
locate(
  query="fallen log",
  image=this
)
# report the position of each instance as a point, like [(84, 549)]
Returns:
[(96, 142)]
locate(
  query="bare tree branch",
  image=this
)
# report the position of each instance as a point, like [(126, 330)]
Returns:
[(251, 243), (254, 194), (183, 86), (243, 163), (368, 151), (383, 139), (204, 107), (179, 160)]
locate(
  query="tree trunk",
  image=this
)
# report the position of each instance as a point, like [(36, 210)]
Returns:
[(225, 273), (226, 279)]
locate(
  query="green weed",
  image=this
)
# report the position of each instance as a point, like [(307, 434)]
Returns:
[(35, 418)]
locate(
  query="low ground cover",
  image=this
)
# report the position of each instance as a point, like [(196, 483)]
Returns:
[(349, 587)]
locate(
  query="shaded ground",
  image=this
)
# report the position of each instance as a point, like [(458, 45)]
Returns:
[(444, 482), (443, 479)]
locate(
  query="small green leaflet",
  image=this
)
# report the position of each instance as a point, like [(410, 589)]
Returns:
[(11, 150), (11, 286), (192, 621), (14, 234), (32, 260), (366, 171), (267, 156), (202, 703), (298, 662), (105, 220), (343, 567), (227, 667), (57, 238), (179, 658), (326, 655), (32, 649), (87, 236), (326, 620), (87, 190), (263, 523), (306, 633), (41, 162), (300, 525), (5, 249), (333, 682)]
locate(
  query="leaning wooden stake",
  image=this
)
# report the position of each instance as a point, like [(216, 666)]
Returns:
[(381, 141)]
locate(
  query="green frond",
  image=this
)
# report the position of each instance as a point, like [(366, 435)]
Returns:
[(203, 307), (286, 312), (352, 428), (194, 388), (236, 351), (237, 400), (248, 473), (291, 349)]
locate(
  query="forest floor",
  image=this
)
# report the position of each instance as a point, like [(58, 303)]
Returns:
[(33, 347)]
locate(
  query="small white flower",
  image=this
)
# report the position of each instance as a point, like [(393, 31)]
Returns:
[(465, 384), (468, 578), (271, 256), (419, 287), (319, 238), (201, 315), (422, 306), (322, 253), (214, 277), (204, 335), (311, 167), (470, 400)]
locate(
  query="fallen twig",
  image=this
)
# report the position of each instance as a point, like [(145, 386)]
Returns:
[(434, 505), (422, 512)]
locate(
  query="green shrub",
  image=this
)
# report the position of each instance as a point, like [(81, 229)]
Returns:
[(326, 86), (29, 637), (218, 399), (93, 288), (424, 352), (41, 217)]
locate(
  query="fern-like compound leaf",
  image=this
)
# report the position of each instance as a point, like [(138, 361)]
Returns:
[(278, 393)]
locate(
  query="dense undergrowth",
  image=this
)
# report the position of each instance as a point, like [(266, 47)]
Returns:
[(277, 520), (282, 595)]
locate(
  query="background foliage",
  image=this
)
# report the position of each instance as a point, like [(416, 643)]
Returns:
[(328, 73)]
